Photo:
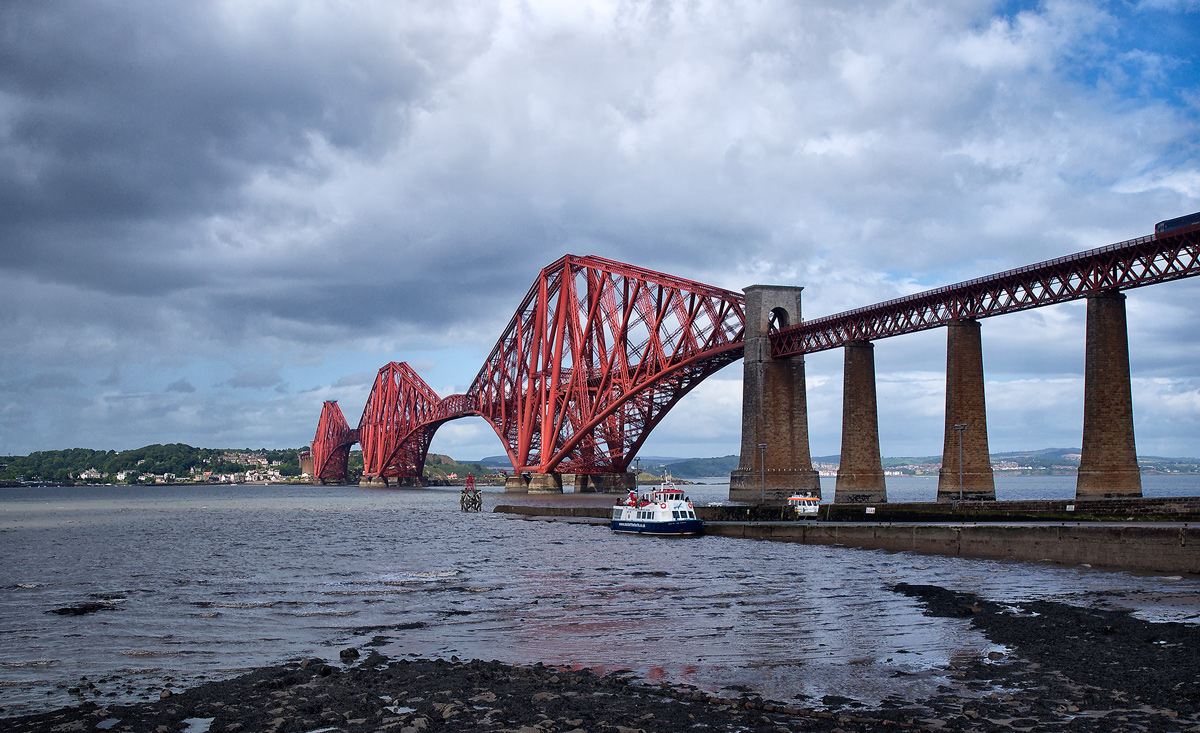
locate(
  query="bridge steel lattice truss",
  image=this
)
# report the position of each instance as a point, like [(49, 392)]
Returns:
[(599, 351), (1134, 263), (595, 356)]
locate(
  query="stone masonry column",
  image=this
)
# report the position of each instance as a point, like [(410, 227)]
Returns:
[(860, 471), (965, 406), (1108, 465), (774, 407)]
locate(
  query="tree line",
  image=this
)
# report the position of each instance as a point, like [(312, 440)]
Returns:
[(175, 458)]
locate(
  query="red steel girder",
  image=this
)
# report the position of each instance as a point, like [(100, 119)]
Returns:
[(595, 356), (399, 420), (331, 446), (1135, 263)]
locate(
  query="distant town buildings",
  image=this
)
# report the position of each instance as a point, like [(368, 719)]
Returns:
[(258, 470), (932, 468)]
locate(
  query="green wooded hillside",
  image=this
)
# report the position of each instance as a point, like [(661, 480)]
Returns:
[(176, 458)]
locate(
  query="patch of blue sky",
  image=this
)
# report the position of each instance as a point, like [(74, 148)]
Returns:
[(1152, 55), (1144, 50)]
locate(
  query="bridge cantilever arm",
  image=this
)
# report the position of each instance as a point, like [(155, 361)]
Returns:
[(732, 351)]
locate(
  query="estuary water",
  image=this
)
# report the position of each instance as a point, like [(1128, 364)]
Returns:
[(203, 582)]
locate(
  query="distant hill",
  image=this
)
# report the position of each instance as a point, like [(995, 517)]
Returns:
[(495, 462), (438, 466), (1042, 461), (694, 467), (179, 459), (504, 463), (1045, 460)]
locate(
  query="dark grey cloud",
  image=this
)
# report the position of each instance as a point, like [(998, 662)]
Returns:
[(181, 385), (356, 380), (254, 378), (53, 380), (126, 124)]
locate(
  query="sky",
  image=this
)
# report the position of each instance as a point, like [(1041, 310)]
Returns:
[(215, 216)]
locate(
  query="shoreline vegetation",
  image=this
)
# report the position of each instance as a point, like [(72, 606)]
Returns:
[(1050, 666), (178, 463)]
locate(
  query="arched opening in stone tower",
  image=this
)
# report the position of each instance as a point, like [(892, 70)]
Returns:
[(778, 319)]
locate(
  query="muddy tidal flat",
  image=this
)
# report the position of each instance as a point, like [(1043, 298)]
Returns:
[(1064, 668)]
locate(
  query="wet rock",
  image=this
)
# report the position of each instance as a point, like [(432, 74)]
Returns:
[(348, 655), (835, 701), (434, 695), (83, 608)]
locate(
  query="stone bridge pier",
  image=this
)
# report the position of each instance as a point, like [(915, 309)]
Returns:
[(965, 435), (1108, 465), (860, 470), (775, 459)]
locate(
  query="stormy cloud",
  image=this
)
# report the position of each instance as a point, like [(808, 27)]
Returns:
[(215, 216)]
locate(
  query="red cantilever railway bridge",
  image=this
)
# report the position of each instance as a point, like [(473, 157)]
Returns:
[(592, 360), (599, 351)]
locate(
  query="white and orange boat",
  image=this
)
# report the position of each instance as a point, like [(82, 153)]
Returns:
[(806, 505)]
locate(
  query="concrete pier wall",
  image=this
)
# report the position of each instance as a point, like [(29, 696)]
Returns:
[(1142, 548), (1149, 546)]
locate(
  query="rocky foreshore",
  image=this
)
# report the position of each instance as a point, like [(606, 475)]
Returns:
[(1064, 669)]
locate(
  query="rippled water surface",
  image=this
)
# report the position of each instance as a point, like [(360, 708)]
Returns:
[(205, 581)]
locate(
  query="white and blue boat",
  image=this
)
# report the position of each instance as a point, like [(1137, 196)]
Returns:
[(663, 511)]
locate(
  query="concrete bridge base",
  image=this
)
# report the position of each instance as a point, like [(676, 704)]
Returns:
[(381, 482), (605, 483), (772, 487), (534, 483)]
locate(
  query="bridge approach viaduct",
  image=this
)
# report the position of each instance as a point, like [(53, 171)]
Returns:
[(775, 458)]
